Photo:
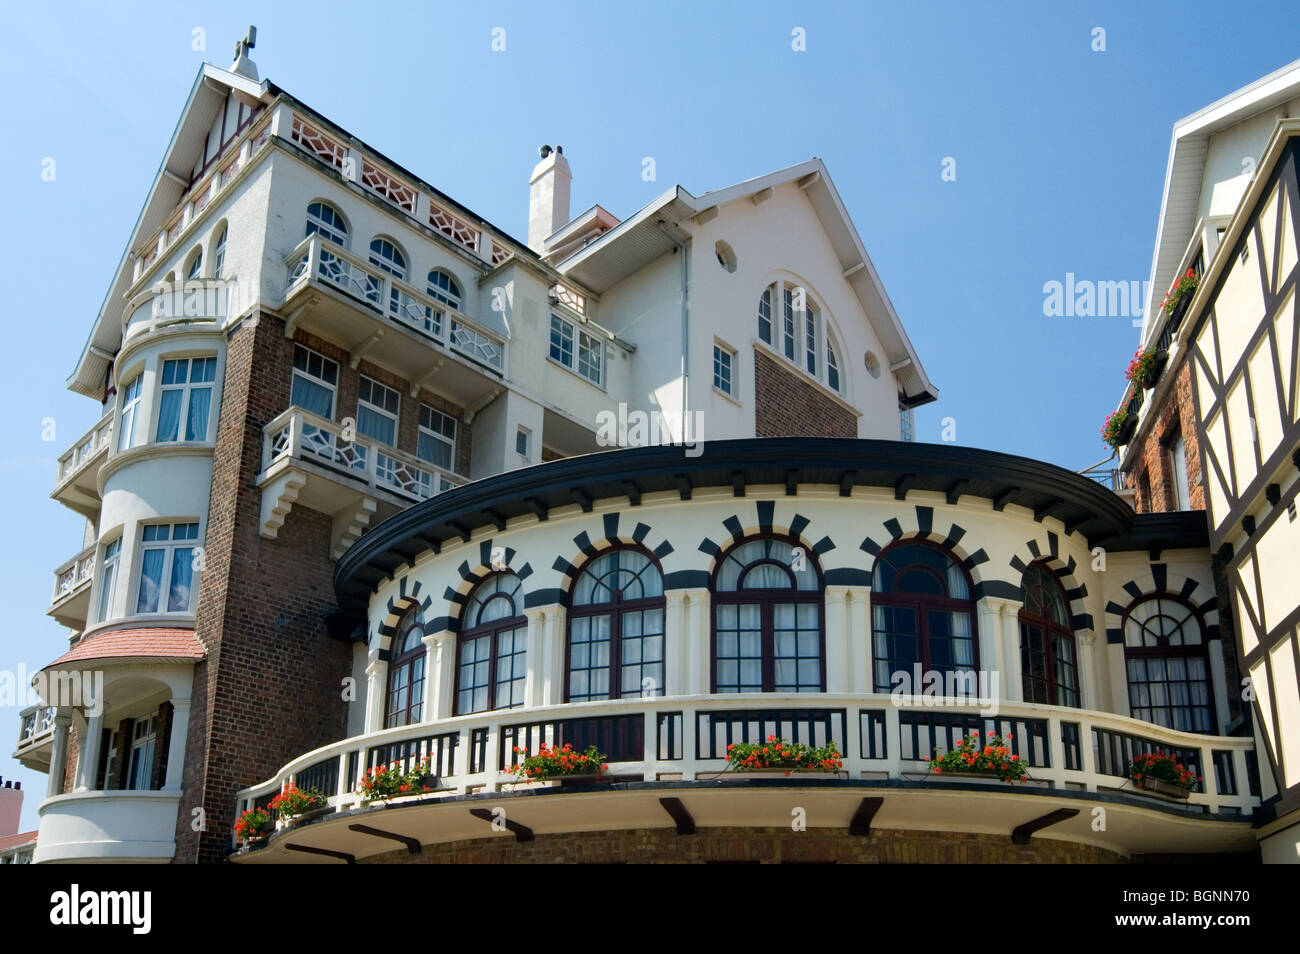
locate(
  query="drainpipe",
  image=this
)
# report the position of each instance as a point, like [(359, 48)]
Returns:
[(686, 322)]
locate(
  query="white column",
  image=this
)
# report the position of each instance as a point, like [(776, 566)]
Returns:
[(59, 754), (1218, 685), (1084, 639), (861, 674), (992, 650), (176, 745), (837, 639), (376, 680), (1118, 678), (554, 639), (439, 656), (1013, 684), (88, 754), (676, 643), (535, 638), (699, 661)]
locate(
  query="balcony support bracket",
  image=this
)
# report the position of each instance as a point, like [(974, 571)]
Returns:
[(522, 833), (328, 853), (860, 823), (1022, 833), (679, 813), (413, 845)]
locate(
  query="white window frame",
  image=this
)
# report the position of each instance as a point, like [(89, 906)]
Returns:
[(527, 435), (443, 293), (720, 349), (437, 436), (219, 253), (170, 547), (799, 336), (578, 339), (142, 752), (109, 561), (186, 390), (1178, 461), (336, 233), (130, 411), (388, 257), (367, 383), (310, 378)]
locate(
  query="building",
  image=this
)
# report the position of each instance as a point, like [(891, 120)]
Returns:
[(1218, 428), (16, 848), (350, 502)]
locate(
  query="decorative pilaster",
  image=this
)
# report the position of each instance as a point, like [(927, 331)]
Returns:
[(88, 753), (176, 745), (838, 662), (59, 754), (439, 672)]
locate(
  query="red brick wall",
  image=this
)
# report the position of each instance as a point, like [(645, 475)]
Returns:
[(1175, 412), (786, 405), (764, 845), (270, 687)]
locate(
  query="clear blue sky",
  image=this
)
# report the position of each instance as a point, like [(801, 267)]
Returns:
[(1060, 157)]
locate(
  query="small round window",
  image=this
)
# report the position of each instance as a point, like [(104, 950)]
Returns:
[(726, 255), (872, 363)]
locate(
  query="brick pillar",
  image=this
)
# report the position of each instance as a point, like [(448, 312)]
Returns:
[(269, 688)]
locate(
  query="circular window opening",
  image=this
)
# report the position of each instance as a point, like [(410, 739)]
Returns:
[(872, 363), (726, 255)]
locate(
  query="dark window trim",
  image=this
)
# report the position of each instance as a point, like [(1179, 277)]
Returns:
[(492, 630), (1166, 652), (405, 661), (1050, 628)]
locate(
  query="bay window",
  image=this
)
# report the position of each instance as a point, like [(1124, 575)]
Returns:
[(167, 568), (185, 399)]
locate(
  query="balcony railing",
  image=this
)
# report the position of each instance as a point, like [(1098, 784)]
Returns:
[(72, 576), (319, 260), (91, 445), (300, 435), (686, 738), (34, 726), (236, 157)]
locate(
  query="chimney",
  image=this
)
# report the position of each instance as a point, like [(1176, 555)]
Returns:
[(548, 197)]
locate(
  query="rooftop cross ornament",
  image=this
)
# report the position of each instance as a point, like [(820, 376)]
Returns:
[(247, 43)]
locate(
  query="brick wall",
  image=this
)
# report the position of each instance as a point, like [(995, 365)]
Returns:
[(270, 687), (1175, 414), (786, 405), (764, 845)]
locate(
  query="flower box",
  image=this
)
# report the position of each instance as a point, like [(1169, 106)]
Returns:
[(561, 781), (282, 823), (790, 772), (1180, 309), (1162, 789), (1126, 430), (1153, 372)]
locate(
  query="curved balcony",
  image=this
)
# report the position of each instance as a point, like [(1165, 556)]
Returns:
[(118, 826), (76, 485), (70, 603), (667, 757)]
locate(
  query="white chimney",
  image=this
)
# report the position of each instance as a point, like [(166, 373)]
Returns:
[(548, 197)]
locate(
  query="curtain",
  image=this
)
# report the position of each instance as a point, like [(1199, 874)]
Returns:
[(169, 415), (196, 423)]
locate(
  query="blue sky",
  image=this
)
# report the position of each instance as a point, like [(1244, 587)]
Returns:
[(1059, 156)]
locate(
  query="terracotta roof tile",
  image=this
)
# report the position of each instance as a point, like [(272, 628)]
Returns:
[(146, 641)]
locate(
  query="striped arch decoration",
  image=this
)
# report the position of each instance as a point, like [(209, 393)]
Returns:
[(1160, 581), (951, 540), (588, 548), (1032, 552), (738, 531), (398, 606), (470, 577)]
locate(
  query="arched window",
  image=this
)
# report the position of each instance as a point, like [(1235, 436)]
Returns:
[(832, 367), (406, 673), (195, 265), (767, 619), (219, 254), (444, 288), (1049, 671), (326, 220), (792, 324), (1168, 667), (387, 256), (491, 660), (616, 628), (922, 613)]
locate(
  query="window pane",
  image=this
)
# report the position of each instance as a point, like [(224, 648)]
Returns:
[(178, 594), (169, 414), (151, 572), (312, 397), (196, 422)]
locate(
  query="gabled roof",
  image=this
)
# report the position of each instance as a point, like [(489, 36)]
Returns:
[(640, 239), (1185, 172), (208, 94)]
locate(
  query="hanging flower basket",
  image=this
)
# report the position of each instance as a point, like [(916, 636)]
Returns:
[(1162, 775), (387, 783), (557, 767), (973, 758), (1145, 368), (1119, 427), (776, 757)]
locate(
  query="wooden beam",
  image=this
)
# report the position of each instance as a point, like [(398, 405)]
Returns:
[(522, 833), (954, 491), (1045, 509), (581, 498), (846, 482), (430, 541), (498, 519), (677, 811), (683, 483), (791, 482), (309, 850), (903, 485), (537, 507), (461, 530), (738, 483), (1022, 833), (413, 845), (860, 823), (1001, 500), (758, 198), (633, 492)]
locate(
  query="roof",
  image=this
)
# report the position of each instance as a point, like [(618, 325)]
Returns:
[(639, 239), (1188, 149), (17, 841), (145, 642), (1082, 505)]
